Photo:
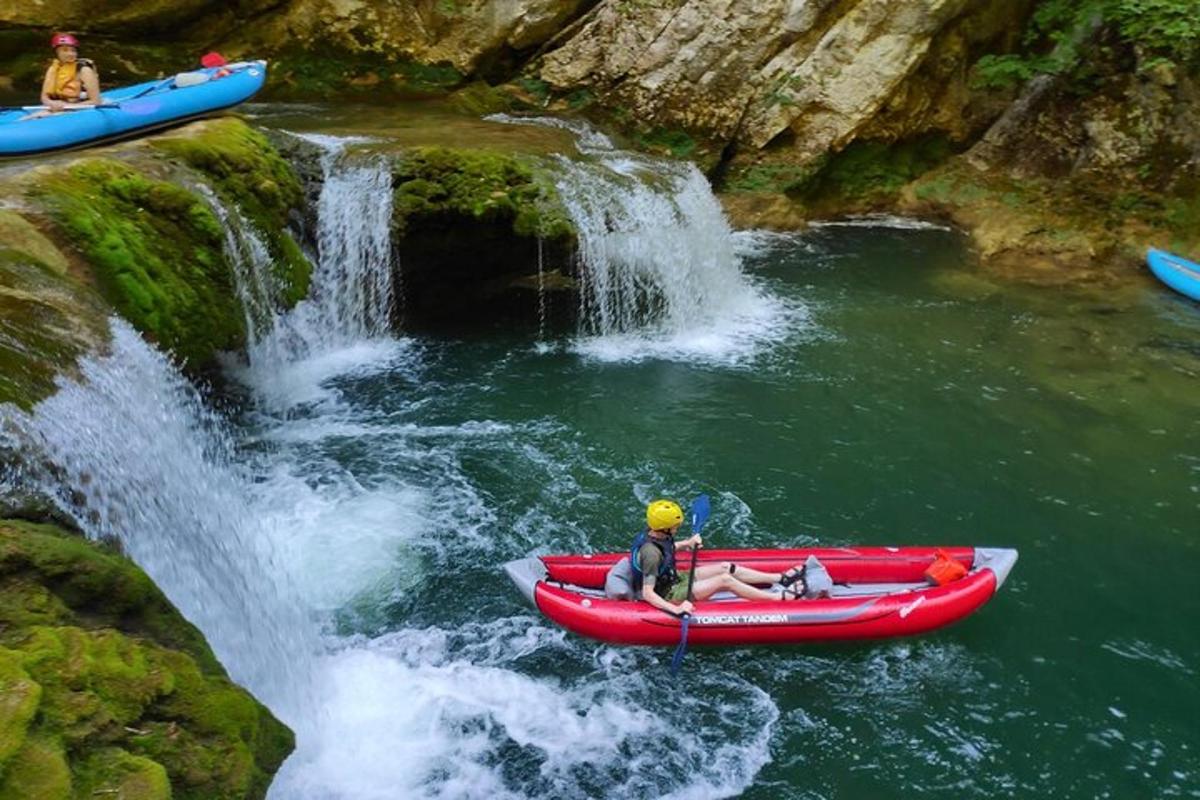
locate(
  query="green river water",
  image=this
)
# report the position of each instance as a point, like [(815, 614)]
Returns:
[(889, 393), (911, 401)]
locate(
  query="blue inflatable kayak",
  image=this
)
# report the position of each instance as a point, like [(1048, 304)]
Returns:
[(1180, 274), (131, 109)]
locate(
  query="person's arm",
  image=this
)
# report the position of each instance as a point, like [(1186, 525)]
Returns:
[(48, 89), (91, 84), (651, 597)]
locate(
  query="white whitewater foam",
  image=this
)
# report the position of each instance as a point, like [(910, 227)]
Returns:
[(131, 454), (882, 221), (658, 270)]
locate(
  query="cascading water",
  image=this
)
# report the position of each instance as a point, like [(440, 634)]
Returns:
[(290, 544), (346, 317), (659, 274), (131, 454)]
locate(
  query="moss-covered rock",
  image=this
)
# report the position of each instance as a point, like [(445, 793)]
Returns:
[(38, 771), (107, 690), (156, 250), (481, 186), (516, 219), (246, 170)]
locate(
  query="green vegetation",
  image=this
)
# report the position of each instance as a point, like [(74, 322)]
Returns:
[(872, 172), (157, 252), (1165, 31), (478, 99), (677, 143), (865, 174), (248, 172), (439, 183), (304, 74), (106, 690)]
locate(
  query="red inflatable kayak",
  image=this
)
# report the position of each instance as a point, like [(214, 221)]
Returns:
[(878, 592)]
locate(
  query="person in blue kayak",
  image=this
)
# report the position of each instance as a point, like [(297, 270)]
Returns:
[(69, 78), (650, 574)]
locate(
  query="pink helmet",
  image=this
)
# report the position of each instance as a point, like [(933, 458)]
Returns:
[(60, 39)]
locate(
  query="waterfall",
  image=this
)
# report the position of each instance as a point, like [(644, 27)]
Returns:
[(261, 540), (352, 287), (131, 453), (251, 261), (658, 270), (346, 317)]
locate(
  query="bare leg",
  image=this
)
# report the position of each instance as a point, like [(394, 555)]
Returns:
[(705, 588), (744, 574)]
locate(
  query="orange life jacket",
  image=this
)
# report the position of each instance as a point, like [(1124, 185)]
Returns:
[(67, 84)]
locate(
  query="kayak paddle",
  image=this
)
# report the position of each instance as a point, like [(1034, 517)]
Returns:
[(700, 509)]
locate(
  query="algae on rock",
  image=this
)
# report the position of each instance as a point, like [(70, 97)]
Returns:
[(157, 253), (107, 689), (246, 170)]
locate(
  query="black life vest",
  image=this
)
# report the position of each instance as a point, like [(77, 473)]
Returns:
[(666, 568)]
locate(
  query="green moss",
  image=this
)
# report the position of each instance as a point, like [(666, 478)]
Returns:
[(675, 142), (775, 178), (114, 772), (247, 171), (103, 586), (536, 88), (86, 669), (871, 172), (436, 182), (479, 99), (19, 698), (156, 251), (302, 74), (38, 771)]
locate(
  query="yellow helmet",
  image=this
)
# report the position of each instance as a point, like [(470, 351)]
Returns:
[(663, 515)]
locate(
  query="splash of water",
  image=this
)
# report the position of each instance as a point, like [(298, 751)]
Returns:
[(658, 269), (130, 453)]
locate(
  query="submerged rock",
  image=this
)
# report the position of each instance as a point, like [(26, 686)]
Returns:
[(106, 690)]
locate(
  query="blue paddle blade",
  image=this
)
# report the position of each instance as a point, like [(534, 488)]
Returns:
[(700, 509), (681, 649)]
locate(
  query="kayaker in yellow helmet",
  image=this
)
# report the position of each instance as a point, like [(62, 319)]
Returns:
[(650, 572), (69, 78)]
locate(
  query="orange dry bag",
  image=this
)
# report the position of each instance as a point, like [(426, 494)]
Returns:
[(944, 569)]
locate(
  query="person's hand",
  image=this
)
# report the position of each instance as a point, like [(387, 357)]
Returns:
[(57, 105), (685, 607), (694, 541)]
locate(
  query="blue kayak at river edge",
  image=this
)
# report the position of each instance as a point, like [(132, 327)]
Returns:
[(1180, 274), (131, 109)]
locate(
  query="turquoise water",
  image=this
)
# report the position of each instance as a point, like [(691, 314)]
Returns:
[(905, 399)]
